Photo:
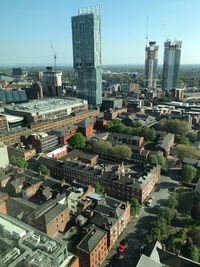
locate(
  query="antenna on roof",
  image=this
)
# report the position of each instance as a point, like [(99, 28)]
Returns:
[(147, 33)]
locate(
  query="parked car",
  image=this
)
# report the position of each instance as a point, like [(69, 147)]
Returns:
[(149, 202), (122, 248)]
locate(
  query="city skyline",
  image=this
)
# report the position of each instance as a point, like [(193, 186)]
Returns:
[(28, 27)]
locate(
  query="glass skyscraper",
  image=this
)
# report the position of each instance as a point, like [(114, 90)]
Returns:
[(151, 65), (86, 38), (171, 64)]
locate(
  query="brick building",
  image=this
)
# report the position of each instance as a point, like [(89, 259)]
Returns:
[(64, 133), (128, 139), (112, 216), (165, 142), (86, 127), (117, 183), (51, 217), (92, 250), (85, 157), (111, 114), (20, 151), (40, 141)]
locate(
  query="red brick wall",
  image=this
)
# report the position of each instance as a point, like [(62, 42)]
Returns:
[(75, 262), (3, 208)]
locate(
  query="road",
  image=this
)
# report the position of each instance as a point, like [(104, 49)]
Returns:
[(135, 233)]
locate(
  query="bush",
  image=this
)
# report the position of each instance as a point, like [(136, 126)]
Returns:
[(189, 173), (18, 161), (44, 170)]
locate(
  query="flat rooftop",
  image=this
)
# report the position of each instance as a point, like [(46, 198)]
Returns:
[(38, 107), (20, 241)]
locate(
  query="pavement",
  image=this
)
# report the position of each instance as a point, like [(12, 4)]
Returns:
[(136, 231)]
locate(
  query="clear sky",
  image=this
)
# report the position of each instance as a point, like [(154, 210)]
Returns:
[(27, 26)]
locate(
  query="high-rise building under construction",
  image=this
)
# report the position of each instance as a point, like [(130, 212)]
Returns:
[(151, 65)]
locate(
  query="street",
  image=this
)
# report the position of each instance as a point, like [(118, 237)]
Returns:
[(135, 233)]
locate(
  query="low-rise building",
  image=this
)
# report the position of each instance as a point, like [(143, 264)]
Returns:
[(64, 133), (4, 160), (86, 127), (24, 245), (40, 141), (80, 155), (128, 139), (21, 151), (92, 250), (111, 114), (111, 102), (165, 142), (111, 215), (52, 217), (116, 183)]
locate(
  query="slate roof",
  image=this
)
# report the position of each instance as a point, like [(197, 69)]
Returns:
[(92, 239)]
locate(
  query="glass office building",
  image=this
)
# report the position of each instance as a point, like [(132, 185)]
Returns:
[(86, 38), (151, 65), (171, 64)]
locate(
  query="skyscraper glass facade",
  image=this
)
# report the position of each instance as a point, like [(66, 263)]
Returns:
[(86, 38), (171, 64)]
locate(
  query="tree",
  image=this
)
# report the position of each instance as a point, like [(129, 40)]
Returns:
[(194, 253), (44, 170), (195, 236), (174, 126), (192, 136), (102, 147), (118, 151), (18, 161), (160, 160), (161, 224), (172, 201), (167, 214), (135, 206), (148, 133), (122, 151), (189, 151), (195, 211), (188, 173), (99, 189), (77, 140)]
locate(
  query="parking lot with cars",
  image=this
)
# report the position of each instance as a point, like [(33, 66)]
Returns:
[(134, 235)]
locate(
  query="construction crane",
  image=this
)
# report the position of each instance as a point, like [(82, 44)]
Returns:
[(147, 31), (54, 55)]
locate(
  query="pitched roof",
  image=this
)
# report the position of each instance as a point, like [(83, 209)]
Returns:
[(92, 239)]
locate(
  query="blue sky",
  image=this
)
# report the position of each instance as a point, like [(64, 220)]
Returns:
[(27, 26)]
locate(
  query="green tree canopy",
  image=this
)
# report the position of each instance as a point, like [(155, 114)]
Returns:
[(195, 211), (192, 136), (174, 126), (44, 170), (189, 151), (99, 189), (188, 173), (172, 201), (77, 140), (160, 160), (118, 151), (18, 161), (167, 214), (135, 206)]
